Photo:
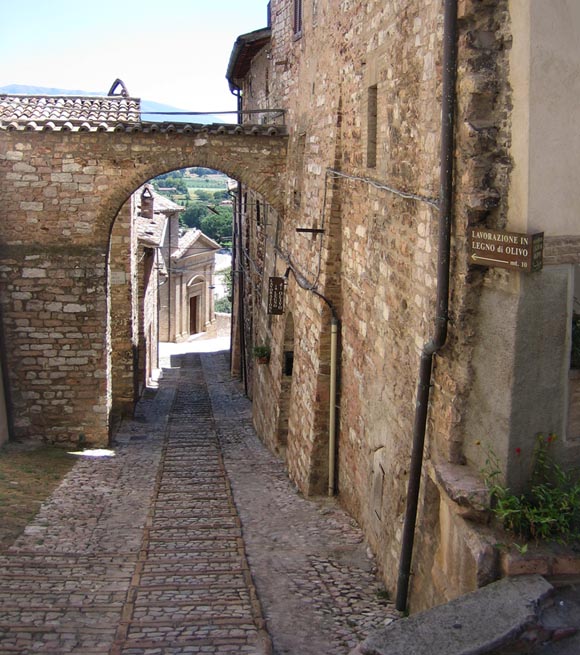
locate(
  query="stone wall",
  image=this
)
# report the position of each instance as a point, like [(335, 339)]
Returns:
[(362, 88), (54, 321), (59, 195), (4, 432)]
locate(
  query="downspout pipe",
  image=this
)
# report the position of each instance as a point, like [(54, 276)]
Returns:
[(437, 341), (237, 265), (332, 406), (334, 331)]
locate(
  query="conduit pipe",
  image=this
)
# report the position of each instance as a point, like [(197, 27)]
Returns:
[(332, 408), (441, 318), (238, 265), (334, 324)]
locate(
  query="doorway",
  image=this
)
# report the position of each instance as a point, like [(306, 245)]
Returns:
[(285, 387), (193, 315)]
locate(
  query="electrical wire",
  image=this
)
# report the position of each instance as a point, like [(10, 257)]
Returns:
[(408, 195)]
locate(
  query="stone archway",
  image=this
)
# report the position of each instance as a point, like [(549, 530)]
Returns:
[(60, 193)]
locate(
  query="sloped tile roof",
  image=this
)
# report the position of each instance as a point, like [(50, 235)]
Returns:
[(93, 111), (189, 239), (164, 204), (186, 241), (150, 231), (112, 113), (245, 49)]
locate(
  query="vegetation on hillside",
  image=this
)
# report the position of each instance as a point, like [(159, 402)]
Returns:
[(208, 204)]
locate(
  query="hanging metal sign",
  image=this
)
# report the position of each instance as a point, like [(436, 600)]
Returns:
[(276, 287), (512, 250)]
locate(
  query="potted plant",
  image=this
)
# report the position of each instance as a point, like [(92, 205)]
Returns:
[(262, 354)]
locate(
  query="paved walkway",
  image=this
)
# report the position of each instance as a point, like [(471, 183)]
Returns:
[(187, 538)]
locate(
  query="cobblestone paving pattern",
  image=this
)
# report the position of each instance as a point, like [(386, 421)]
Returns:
[(144, 550), (192, 591), (314, 575), (63, 584)]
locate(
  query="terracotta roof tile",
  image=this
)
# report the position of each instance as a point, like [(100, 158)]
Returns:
[(114, 113), (93, 111), (189, 239), (150, 231)]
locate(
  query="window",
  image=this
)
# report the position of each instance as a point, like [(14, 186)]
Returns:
[(297, 18), (288, 362), (299, 180), (372, 113)]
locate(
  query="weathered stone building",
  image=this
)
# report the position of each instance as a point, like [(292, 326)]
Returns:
[(187, 303), (362, 242)]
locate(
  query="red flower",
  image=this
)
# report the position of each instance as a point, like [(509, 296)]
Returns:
[(518, 451)]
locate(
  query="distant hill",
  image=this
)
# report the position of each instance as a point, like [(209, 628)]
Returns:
[(147, 106)]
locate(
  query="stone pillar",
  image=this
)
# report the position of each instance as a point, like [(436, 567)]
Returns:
[(120, 310)]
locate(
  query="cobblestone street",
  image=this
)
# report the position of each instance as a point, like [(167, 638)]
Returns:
[(187, 537)]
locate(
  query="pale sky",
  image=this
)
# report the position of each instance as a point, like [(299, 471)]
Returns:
[(175, 51)]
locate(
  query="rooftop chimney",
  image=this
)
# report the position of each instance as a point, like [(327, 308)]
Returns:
[(147, 203)]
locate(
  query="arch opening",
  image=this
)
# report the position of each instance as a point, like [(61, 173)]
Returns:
[(162, 274), (79, 250)]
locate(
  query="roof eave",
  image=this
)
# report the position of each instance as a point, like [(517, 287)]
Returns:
[(246, 44)]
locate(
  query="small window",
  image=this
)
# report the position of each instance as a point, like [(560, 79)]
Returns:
[(372, 121), (258, 213), (297, 18), (288, 362)]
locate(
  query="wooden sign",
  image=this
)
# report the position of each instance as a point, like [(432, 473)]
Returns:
[(276, 288), (512, 250)]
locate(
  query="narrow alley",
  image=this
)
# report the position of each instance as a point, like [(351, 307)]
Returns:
[(187, 537)]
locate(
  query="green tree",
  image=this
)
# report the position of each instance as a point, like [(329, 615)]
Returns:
[(218, 226), (205, 196), (193, 215)]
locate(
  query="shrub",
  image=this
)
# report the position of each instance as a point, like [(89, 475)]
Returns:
[(550, 510)]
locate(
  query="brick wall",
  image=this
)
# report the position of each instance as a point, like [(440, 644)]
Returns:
[(55, 322), (59, 195)]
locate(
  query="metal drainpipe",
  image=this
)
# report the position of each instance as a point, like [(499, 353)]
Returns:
[(237, 264), (332, 408), (169, 285), (441, 319)]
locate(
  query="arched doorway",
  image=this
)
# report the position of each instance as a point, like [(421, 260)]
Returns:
[(285, 386)]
